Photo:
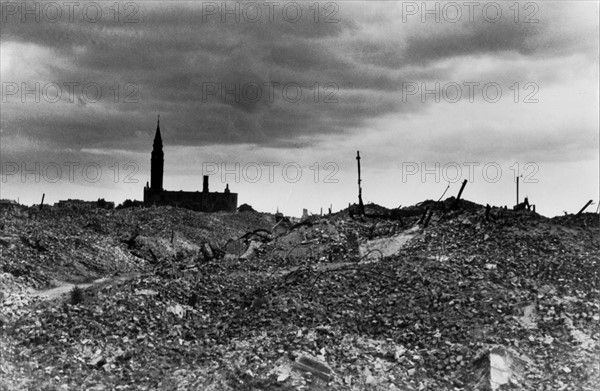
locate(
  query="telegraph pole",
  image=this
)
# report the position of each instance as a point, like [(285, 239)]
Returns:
[(517, 191), (360, 201)]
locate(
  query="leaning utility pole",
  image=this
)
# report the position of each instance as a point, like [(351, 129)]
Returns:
[(585, 207), (360, 201), (456, 201)]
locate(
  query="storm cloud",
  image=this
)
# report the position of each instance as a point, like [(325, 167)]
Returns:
[(288, 76)]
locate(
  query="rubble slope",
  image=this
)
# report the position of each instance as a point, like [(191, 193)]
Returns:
[(225, 301)]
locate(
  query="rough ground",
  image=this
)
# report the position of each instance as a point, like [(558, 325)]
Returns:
[(223, 301)]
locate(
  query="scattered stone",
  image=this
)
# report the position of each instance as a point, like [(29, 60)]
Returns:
[(207, 252), (251, 250), (499, 367), (146, 292), (317, 368), (177, 310), (529, 318), (3, 320), (387, 246), (97, 361)]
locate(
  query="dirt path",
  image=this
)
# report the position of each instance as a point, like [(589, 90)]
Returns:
[(318, 267), (65, 287)]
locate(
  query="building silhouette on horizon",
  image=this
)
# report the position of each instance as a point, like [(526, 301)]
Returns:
[(203, 201)]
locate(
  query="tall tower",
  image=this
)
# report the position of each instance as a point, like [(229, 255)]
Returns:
[(157, 161)]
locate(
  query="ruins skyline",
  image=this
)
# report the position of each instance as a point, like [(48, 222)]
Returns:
[(430, 96)]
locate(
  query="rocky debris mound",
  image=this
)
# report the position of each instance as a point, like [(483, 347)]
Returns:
[(584, 220), (245, 208), (466, 302)]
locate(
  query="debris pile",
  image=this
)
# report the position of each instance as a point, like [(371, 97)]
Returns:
[(474, 298)]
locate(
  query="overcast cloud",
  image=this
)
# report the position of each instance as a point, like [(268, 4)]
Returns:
[(177, 56)]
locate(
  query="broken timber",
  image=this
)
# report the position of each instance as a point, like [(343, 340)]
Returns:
[(426, 222), (444, 193), (318, 369), (585, 207), (422, 219), (459, 194)]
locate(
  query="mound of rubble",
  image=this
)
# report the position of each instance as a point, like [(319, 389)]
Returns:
[(438, 296)]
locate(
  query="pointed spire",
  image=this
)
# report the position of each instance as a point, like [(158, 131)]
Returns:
[(157, 161), (157, 137)]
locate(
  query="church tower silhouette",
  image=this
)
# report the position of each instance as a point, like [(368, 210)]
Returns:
[(204, 201), (157, 161)]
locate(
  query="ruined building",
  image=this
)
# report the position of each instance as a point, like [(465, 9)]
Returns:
[(203, 201)]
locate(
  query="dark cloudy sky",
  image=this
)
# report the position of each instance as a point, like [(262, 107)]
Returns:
[(348, 77)]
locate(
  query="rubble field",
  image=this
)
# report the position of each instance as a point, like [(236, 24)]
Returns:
[(436, 296)]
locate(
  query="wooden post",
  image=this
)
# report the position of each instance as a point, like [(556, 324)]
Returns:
[(422, 219), (459, 194), (42, 203), (517, 191), (426, 223), (461, 190), (585, 207), (360, 201)]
